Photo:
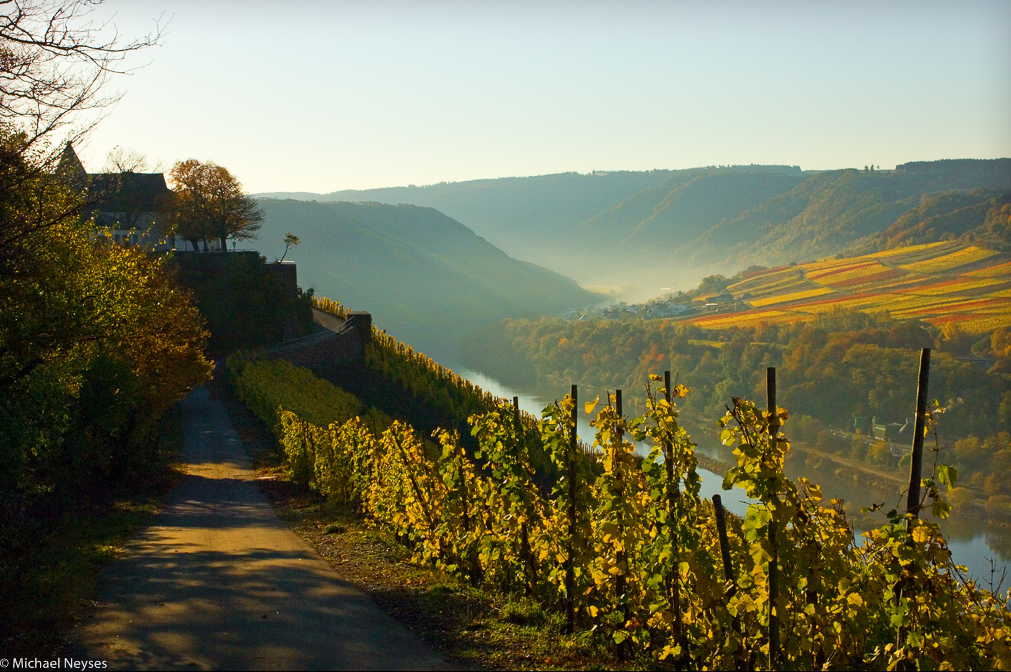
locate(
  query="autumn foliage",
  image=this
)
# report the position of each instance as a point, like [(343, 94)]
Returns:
[(96, 343), (649, 576)]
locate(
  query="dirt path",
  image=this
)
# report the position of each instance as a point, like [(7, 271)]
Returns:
[(218, 582)]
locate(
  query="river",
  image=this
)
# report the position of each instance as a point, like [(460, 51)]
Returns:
[(972, 541)]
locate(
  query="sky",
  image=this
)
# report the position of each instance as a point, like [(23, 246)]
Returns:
[(323, 96)]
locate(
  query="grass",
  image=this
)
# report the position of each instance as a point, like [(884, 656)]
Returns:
[(711, 344), (794, 296), (844, 271), (57, 584), (908, 251), (1000, 270)]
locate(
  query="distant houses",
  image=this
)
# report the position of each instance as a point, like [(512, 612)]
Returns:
[(656, 309), (891, 432), (719, 301), (667, 309)]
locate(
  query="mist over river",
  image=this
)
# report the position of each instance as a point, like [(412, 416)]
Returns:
[(972, 540)]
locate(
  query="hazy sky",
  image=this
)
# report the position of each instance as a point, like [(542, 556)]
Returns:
[(321, 96)]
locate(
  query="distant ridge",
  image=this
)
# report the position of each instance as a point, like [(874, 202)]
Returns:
[(382, 194), (662, 228), (1001, 165)]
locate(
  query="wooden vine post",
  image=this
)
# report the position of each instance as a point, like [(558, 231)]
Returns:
[(673, 493), (472, 556), (304, 471), (526, 555), (570, 565), (774, 647), (728, 572), (621, 583), (721, 528), (915, 471), (916, 463)]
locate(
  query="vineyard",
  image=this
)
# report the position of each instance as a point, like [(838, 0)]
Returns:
[(442, 389), (630, 552), (938, 283)]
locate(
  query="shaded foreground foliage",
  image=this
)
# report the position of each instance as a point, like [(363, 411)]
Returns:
[(97, 342)]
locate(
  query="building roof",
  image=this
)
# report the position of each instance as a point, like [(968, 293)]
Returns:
[(129, 192), (70, 166), (116, 192)]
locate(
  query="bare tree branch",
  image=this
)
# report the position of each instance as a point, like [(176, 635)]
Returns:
[(122, 160), (55, 63)]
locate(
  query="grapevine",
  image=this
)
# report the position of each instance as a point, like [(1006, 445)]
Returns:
[(641, 546)]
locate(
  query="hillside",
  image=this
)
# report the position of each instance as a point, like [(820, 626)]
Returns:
[(423, 276), (564, 221), (673, 214), (978, 216), (640, 231), (832, 210), (938, 283), (529, 218)]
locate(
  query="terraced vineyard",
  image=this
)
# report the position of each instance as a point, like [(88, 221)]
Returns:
[(937, 283)]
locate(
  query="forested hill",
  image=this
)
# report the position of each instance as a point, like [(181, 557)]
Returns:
[(423, 276), (539, 218), (831, 211), (979, 216), (667, 228)]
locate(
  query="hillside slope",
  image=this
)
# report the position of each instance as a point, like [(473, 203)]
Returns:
[(423, 276), (978, 216), (529, 218), (576, 223), (675, 213), (644, 230), (831, 210), (939, 283)]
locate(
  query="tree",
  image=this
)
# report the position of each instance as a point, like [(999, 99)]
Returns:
[(48, 293), (121, 160), (290, 240), (55, 60), (209, 202), (96, 342)]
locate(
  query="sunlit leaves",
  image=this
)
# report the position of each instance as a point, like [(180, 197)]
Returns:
[(646, 554)]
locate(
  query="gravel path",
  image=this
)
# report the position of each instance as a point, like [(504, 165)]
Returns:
[(218, 582)]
